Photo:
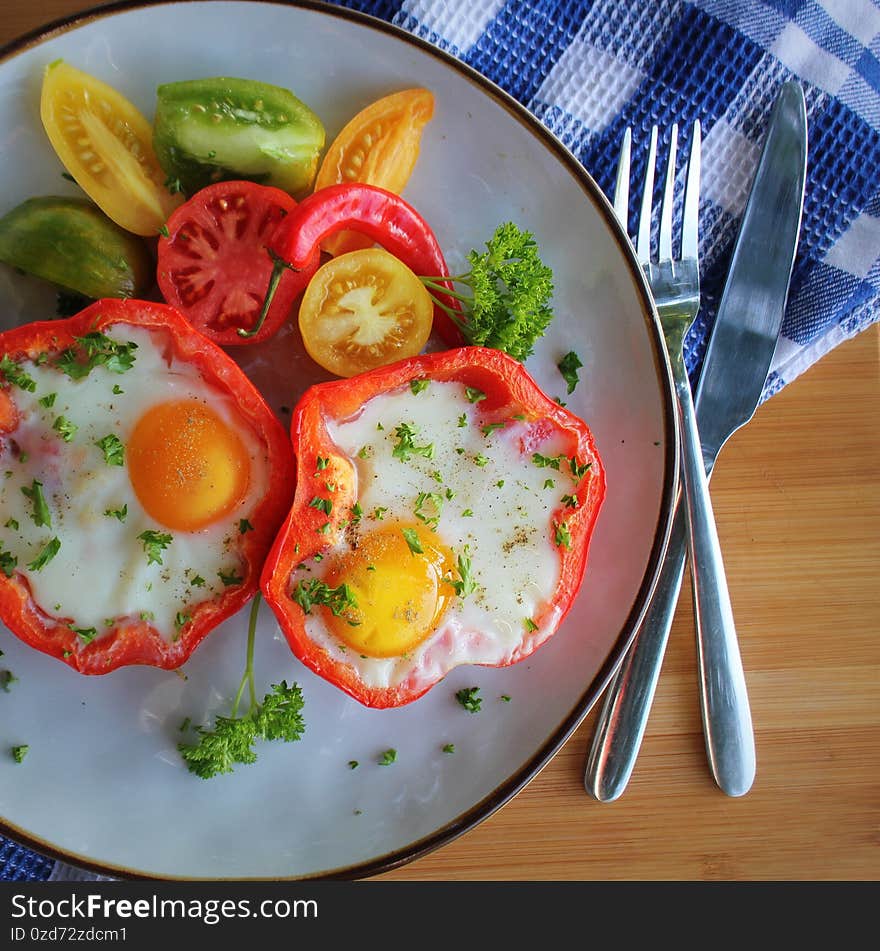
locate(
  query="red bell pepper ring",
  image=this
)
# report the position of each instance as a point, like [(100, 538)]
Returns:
[(509, 391), (381, 215), (134, 640)]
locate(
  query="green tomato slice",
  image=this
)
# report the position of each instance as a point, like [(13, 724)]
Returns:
[(210, 130), (71, 243)]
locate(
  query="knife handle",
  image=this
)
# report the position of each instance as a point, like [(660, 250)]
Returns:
[(624, 715), (727, 720)]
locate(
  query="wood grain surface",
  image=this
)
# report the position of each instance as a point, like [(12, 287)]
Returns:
[(797, 499)]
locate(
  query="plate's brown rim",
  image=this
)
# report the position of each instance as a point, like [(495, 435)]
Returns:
[(515, 783)]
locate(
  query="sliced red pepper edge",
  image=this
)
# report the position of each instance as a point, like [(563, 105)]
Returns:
[(137, 641), (384, 217), (509, 389)]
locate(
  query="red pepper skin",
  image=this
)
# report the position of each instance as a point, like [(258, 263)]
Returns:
[(136, 641), (509, 390), (383, 216)]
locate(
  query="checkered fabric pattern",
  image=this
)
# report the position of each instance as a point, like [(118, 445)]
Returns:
[(588, 70)]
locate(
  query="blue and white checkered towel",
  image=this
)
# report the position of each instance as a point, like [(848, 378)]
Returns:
[(589, 69)]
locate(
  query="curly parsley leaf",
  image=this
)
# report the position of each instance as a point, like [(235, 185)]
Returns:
[(277, 717), (568, 367), (508, 307), (154, 544), (469, 698)]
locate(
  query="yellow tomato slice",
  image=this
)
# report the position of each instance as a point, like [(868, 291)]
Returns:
[(105, 143), (362, 310), (379, 146)]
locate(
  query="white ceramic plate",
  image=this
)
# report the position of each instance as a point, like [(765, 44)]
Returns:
[(103, 785)]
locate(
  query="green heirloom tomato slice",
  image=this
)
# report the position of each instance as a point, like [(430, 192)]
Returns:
[(211, 130), (72, 243)]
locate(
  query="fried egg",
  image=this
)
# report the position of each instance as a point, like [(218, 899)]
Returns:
[(450, 551), (127, 487)]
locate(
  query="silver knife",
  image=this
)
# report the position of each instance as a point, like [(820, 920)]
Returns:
[(731, 382)]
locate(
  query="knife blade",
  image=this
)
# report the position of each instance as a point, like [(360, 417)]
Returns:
[(729, 390)]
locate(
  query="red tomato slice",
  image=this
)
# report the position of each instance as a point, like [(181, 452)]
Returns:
[(214, 265)]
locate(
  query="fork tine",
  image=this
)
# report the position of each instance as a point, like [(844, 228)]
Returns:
[(621, 187), (643, 244), (691, 211), (665, 245)]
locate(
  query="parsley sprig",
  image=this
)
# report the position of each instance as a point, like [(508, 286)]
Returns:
[(277, 717), (510, 289)]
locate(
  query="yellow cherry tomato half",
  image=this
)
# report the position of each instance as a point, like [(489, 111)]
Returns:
[(379, 146), (105, 143), (362, 310)]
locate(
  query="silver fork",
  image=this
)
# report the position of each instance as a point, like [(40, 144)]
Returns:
[(675, 285)]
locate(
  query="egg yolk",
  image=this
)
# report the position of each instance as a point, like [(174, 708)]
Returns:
[(398, 591), (187, 466)]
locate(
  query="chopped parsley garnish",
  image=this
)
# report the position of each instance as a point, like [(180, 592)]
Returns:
[(530, 625), (7, 679), (568, 367), (469, 699), (473, 394), (562, 534), (181, 619), (353, 764), (86, 634), (41, 514), (571, 501), (504, 698), (197, 581), (357, 512), (406, 446), (448, 747), (481, 460), (154, 544), (12, 523), (229, 579), (8, 562), (323, 505), (465, 584), (491, 427), (322, 463), (48, 401), (427, 508), (117, 390), (417, 386), (244, 526), (65, 428), (412, 539), (314, 591), (19, 752), (96, 350), (47, 553), (546, 462), (119, 514), (388, 757), (113, 449), (462, 421), (577, 470), (15, 375)]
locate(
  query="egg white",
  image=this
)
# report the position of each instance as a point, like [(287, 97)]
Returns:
[(500, 512), (101, 571)]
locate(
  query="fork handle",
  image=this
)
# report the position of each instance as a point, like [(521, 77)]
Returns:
[(727, 721), (624, 715)]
